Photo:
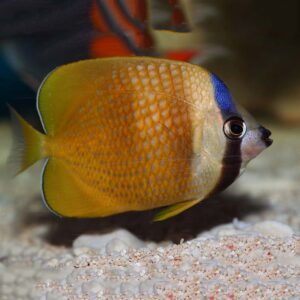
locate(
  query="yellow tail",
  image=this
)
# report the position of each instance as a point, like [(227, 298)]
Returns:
[(28, 144)]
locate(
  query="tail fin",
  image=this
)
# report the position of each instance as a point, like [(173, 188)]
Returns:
[(28, 144)]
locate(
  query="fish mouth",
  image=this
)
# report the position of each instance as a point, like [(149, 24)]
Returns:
[(265, 136)]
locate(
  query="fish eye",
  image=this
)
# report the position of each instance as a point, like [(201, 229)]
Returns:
[(234, 128)]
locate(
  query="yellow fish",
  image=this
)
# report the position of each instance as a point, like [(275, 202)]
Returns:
[(124, 134)]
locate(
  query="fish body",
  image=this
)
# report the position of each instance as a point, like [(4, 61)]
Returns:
[(137, 133)]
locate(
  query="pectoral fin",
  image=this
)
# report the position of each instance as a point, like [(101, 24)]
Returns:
[(174, 210)]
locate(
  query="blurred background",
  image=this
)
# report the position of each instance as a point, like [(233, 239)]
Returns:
[(253, 46)]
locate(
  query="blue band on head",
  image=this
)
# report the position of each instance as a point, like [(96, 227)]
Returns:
[(222, 95)]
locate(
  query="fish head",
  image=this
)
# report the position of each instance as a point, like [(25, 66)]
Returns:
[(250, 136), (255, 139), (237, 137)]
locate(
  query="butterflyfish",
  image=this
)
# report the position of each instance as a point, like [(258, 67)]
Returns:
[(132, 134), (37, 36)]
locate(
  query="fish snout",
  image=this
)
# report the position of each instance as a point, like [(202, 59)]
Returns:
[(265, 136)]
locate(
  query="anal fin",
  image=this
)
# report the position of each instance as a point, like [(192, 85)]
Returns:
[(66, 194), (175, 209)]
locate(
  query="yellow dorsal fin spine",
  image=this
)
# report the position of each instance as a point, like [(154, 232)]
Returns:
[(28, 144)]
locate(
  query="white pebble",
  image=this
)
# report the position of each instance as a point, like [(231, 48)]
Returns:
[(93, 288), (116, 246), (273, 228), (99, 242), (129, 288), (54, 273), (146, 288), (55, 296), (81, 250), (239, 225)]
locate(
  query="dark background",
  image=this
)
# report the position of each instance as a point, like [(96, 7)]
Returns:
[(13, 91), (252, 45)]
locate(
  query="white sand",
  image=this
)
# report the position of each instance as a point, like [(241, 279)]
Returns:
[(128, 257)]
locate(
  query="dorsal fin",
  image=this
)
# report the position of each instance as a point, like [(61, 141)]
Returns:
[(67, 86), (63, 87)]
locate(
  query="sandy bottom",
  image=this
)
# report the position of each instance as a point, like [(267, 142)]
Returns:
[(243, 244)]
